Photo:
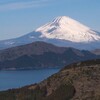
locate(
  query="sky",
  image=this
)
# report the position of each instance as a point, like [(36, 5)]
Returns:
[(19, 17)]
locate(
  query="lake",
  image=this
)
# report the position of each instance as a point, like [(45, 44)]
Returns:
[(16, 79)]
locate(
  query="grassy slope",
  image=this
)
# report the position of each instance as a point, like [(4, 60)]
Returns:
[(80, 81)]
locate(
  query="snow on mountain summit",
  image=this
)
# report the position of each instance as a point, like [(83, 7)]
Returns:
[(62, 31), (65, 28)]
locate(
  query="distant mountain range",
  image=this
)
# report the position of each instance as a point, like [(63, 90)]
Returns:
[(62, 31), (78, 81), (96, 51), (41, 55)]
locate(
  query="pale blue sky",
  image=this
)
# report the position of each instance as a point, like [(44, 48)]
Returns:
[(19, 17)]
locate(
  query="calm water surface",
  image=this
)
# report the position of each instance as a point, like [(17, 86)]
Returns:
[(15, 79)]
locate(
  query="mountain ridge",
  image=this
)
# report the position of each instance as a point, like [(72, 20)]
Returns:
[(62, 31), (66, 28), (39, 55), (78, 81)]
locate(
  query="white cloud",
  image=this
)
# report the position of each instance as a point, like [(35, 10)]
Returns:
[(22, 5)]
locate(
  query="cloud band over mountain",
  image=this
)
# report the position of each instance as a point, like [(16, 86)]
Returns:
[(5, 6)]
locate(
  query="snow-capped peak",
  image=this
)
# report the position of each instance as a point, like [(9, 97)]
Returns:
[(65, 21), (62, 31), (66, 28)]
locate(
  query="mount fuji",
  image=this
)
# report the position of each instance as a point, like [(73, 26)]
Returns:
[(62, 31)]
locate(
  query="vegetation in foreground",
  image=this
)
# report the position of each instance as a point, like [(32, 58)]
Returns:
[(80, 81)]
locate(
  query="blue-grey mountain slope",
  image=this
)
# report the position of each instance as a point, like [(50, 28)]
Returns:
[(62, 31)]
